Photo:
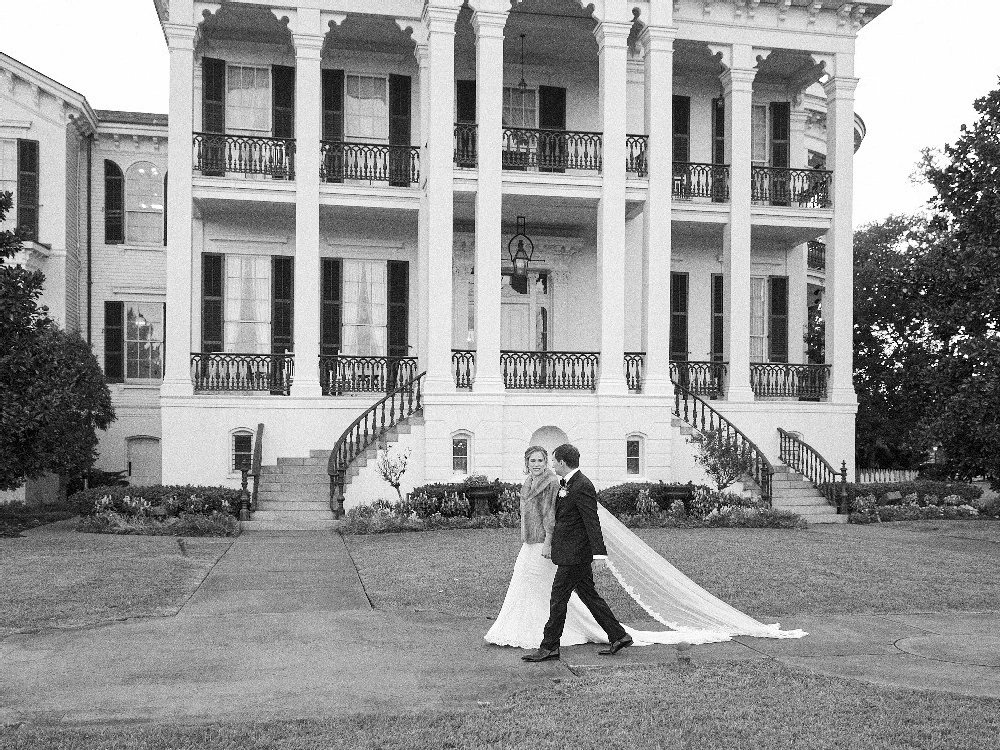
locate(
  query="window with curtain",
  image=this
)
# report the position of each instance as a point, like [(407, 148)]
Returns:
[(367, 114), (520, 108), (248, 99), (758, 319), (8, 171), (365, 309), (758, 134), (143, 204), (247, 301), (143, 340)]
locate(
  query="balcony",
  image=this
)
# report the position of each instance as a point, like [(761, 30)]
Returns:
[(804, 382), (370, 162), (533, 370), (551, 150), (701, 378), (341, 374), (635, 155), (799, 188), (816, 256), (701, 181), (214, 372), (222, 154)]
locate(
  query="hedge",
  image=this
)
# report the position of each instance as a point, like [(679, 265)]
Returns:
[(176, 499), (621, 499), (922, 487)]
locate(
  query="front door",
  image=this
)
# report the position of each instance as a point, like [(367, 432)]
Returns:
[(526, 316), (143, 461)]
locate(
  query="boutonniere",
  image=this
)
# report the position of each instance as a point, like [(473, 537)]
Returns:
[(562, 492)]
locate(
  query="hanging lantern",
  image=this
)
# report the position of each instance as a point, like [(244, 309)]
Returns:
[(521, 250), (523, 85)]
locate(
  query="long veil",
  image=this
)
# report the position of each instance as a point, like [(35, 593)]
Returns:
[(669, 596)]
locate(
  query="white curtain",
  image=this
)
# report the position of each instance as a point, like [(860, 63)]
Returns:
[(365, 311), (248, 99), (758, 319), (248, 304)]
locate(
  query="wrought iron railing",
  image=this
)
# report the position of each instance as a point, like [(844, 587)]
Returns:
[(466, 148), (635, 155), (397, 405), (708, 181), (258, 449), (463, 363), (339, 374), (817, 255), (774, 380), (557, 370), (697, 412), (801, 188), (225, 371), (634, 363), (218, 154), (808, 462), (374, 162), (701, 378), (551, 150)]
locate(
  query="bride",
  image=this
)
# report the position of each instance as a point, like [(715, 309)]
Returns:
[(689, 613)]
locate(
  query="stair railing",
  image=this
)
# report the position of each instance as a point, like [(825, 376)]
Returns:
[(374, 422), (700, 415), (808, 462), (258, 443)]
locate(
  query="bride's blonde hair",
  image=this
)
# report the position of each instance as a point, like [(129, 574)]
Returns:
[(532, 450)]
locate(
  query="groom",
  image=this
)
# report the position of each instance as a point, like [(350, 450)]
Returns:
[(576, 542)]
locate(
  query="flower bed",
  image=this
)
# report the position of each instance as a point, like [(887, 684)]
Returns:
[(869, 509), (161, 510), (968, 493), (186, 524)]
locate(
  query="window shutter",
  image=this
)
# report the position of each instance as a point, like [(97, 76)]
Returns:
[(166, 203), (399, 130), (282, 303), (114, 342), (777, 326), (398, 297), (718, 131), (211, 302), (27, 189), (213, 95), (114, 204), (718, 318), (333, 105), (282, 101), (781, 125), (331, 295), (682, 129), (465, 101), (678, 317)]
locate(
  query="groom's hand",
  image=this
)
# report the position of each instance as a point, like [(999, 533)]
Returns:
[(547, 553), (600, 563)]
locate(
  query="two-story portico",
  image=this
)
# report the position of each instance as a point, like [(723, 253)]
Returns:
[(347, 183)]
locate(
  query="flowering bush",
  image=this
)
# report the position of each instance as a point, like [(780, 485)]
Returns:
[(186, 524), (866, 509), (173, 499)]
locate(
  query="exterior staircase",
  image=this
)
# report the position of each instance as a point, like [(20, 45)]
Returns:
[(294, 495), (792, 492)]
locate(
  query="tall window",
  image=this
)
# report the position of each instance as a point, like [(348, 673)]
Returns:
[(143, 341), (248, 304), (460, 453), (367, 115), (27, 189), (8, 168), (633, 455), (758, 319), (758, 134), (365, 310), (248, 99), (520, 108), (114, 204), (143, 204)]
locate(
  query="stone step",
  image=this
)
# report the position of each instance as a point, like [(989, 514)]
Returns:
[(792, 484), (817, 502), (290, 525), (294, 504), (796, 493), (305, 515), (287, 481), (324, 454), (807, 510), (298, 494)]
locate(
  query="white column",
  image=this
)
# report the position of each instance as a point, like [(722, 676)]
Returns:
[(423, 234), (798, 303), (307, 266), (737, 87), (839, 295), (658, 46), (489, 197), (612, 42), (438, 252), (180, 256)]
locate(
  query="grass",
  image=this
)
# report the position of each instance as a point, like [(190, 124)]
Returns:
[(17, 517), (898, 567), (733, 706), (56, 577)]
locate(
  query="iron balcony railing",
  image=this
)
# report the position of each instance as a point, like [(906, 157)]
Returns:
[(227, 371), (817, 256), (466, 144), (463, 364), (801, 188), (774, 380), (635, 155), (551, 150), (634, 364), (704, 181), (372, 162), (700, 377), (219, 154), (555, 370), (340, 374)]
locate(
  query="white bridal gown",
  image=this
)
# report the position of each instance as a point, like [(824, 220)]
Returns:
[(689, 613)]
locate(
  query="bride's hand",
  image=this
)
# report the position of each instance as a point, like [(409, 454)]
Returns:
[(547, 553)]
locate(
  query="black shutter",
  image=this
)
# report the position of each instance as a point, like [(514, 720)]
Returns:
[(465, 101), (166, 203), (27, 189), (718, 131), (777, 323), (213, 95), (282, 101), (282, 296), (114, 204), (211, 302), (718, 318), (330, 311), (333, 124), (398, 296), (552, 149), (781, 125), (114, 342), (399, 130), (678, 316), (682, 129)]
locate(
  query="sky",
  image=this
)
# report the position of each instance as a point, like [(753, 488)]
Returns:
[(922, 63)]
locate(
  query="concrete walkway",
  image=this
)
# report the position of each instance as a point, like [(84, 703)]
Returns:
[(282, 628)]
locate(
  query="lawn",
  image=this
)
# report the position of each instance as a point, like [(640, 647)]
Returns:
[(898, 567), (723, 707), (56, 577), (16, 517)]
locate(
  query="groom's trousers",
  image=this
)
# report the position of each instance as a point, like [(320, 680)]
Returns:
[(579, 578)]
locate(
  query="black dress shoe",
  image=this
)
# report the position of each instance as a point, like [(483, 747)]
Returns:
[(541, 654), (617, 646)]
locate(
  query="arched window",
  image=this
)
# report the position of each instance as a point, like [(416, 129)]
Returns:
[(144, 204), (241, 449), (114, 204), (635, 458), (461, 452)]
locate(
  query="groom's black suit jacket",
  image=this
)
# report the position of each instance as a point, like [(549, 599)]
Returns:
[(577, 535)]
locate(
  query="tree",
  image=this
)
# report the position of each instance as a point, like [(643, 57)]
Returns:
[(53, 395), (724, 459)]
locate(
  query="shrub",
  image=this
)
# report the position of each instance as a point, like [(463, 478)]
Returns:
[(622, 499), (175, 499), (187, 524), (722, 457), (382, 522), (867, 510), (732, 517), (968, 493)]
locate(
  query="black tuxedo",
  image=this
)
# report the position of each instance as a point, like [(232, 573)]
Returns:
[(576, 539)]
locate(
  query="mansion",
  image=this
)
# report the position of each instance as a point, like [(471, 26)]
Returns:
[(457, 229)]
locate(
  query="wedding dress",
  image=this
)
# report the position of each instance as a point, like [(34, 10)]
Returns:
[(689, 612)]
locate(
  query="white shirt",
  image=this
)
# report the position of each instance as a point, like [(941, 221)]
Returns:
[(566, 481)]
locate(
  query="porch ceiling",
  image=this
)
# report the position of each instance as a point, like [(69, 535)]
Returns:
[(543, 214)]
